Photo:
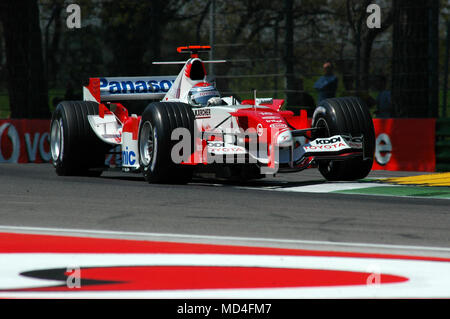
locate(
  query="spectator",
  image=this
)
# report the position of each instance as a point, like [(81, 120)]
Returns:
[(327, 84), (384, 108)]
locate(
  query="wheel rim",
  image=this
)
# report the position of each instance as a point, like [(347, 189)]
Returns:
[(322, 124), (56, 140), (147, 143)]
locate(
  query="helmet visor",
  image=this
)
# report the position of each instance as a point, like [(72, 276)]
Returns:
[(202, 97)]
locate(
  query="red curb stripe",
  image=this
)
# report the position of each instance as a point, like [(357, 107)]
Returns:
[(206, 277), (30, 243)]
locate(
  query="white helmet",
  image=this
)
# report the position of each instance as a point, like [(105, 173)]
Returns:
[(200, 94)]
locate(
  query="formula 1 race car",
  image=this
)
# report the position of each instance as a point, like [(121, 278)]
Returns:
[(193, 128)]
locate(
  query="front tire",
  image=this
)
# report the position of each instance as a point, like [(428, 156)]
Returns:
[(346, 116), (158, 122)]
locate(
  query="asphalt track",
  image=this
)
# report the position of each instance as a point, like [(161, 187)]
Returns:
[(34, 199)]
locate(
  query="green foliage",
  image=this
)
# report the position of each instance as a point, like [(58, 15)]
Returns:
[(4, 105), (53, 94), (123, 38)]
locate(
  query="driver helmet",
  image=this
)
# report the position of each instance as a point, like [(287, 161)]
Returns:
[(200, 94)]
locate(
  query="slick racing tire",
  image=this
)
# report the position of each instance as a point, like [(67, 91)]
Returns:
[(158, 122), (75, 148), (345, 116)]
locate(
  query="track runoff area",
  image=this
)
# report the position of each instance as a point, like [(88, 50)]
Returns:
[(60, 262), (419, 186)]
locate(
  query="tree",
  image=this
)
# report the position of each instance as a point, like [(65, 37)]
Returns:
[(27, 84), (289, 51), (238, 29), (415, 45), (134, 32), (2, 73), (363, 39), (52, 41)]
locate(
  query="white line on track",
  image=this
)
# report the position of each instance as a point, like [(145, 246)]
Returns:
[(327, 188), (320, 188)]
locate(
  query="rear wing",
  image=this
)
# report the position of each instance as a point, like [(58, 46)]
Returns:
[(127, 88), (106, 89)]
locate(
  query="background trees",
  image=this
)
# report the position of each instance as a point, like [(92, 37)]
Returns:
[(415, 58), (276, 47), (27, 85)]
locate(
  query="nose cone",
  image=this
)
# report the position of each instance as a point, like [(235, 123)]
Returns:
[(285, 139)]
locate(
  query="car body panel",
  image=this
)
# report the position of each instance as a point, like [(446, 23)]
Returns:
[(227, 130)]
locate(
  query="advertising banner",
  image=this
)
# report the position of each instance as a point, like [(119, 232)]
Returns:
[(24, 141), (401, 144), (405, 145)]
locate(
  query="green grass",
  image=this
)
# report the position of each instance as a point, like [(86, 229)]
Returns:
[(4, 105), (441, 103), (4, 101), (59, 93), (410, 191)]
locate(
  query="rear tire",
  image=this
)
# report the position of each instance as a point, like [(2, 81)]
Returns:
[(75, 148), (158, 122), (341, 116)]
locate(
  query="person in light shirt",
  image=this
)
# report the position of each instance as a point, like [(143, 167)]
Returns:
[(327, 84)]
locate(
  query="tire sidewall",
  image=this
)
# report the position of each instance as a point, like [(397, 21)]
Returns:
[(58, 163), (156, 168), (338, 123), (165, 117), (81, 149), (147, 169)]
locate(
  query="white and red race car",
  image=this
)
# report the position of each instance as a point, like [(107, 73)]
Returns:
[(191, 127)]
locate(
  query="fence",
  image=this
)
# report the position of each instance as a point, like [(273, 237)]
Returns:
[(255, 46)]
